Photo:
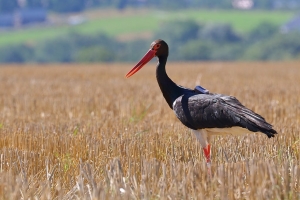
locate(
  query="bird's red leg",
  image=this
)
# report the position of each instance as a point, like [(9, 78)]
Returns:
[(206, 151), (202, 137)]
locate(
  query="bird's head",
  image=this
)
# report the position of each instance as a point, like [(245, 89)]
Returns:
[(158, 48)]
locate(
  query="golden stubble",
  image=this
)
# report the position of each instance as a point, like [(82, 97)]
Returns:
[(86, 132)]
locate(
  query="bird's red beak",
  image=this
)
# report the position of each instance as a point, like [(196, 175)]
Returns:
[(147, 57)]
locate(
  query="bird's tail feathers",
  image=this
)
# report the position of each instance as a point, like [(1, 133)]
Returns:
[(251, 120)]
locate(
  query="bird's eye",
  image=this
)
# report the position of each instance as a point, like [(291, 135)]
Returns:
[(156, 46)]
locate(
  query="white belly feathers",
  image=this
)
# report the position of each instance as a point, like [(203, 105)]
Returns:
[(228, 131)]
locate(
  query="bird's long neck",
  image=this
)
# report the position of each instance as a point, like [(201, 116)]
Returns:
[(170, 90)]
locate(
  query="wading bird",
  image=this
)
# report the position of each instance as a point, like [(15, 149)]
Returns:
[(204, 112)]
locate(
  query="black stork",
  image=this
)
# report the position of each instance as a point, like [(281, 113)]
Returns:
[(204, 112)]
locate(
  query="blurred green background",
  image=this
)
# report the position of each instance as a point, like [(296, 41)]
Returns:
[(43, 31)]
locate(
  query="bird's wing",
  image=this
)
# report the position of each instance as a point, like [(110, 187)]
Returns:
[(218, 111)]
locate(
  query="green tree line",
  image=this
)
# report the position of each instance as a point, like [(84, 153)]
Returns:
[(188, 40)]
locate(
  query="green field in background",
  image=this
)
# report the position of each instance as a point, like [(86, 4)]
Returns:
[(148, 21)]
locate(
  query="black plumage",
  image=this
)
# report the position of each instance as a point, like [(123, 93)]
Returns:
[(201, 112)]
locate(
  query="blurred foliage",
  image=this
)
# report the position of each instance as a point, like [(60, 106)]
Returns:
[(95, 54), (277, 47), (196, 50), (57, 50), (262, 31), (221, 42), (187, 40), (219, 33), (178, 31), (16, 54)]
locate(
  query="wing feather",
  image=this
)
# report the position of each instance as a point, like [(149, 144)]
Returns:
[(218, 111)]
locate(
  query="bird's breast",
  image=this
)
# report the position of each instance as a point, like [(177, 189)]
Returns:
[(189, 112)]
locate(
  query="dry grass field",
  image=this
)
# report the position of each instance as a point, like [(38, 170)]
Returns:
[(86, 132)]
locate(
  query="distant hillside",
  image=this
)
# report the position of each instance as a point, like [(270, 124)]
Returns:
[(130, 24)]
